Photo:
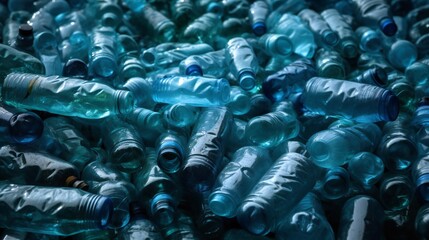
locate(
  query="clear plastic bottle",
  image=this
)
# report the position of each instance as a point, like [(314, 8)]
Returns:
[(193, 90), (334, 184), (334, 97), (106, 13), (183, 12), (162, 28), (361, 218), (330, 64), (306, 221), (365, 168), (275, 45), (242, 62), (207, 64), (282, 187), (319, 27), (65, 96), (239, 103), (141, 88), (348, 44), (206, 148), (179, 115), (171, 151), (400, 53), (11, 25), (421, 222), (237, 179), (203, 28), (396, 192), (139, 227), (369, 39), (103, 52), (377, 14), (334, 147), (376, 76), (258, 13), (60, 211)]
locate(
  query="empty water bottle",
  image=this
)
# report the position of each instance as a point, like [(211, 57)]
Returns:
[(396, 192), (400, 53), (104, 12), (275, 45), (179, 115), (171, 151), (330, 64), (377, 14), (319, 27), (103, 52), (203, 28), (366, 168), (369, 39), (375, 76), (207, 64), (334, 184), (139, 227), (258, 13), (239, 103), (65, 96), (17, 61)]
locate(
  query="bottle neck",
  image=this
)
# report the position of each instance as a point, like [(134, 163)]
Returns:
[(96, 209), (163, 209)]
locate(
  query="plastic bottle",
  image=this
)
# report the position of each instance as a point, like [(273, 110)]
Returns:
[(334, 97), (289, 80), (171, 151), (396, 192), (202, 28), (104, 12), (11, 25), (139, 227), (334, 184), (237, 178), (275, 45), (348, 44), (124, 145), (306, 221), (330, 64), (369, 40), (400, 53), (206, 148), (365, 168), (61, 211), (158, 192), (334, 147), (239, 103), (282, 187), (242, 62), (420, 174), (158, 25), (421, 221), (207, 64), (179, 115), (193, 90), (258, 12), (65, 96), (141, 88), (103, 52), (319, 27), (361, 218), (376, 14), (375, 76), (421, 118)]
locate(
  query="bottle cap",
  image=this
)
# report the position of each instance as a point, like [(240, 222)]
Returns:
[(25, 30), (388, 26), (194, 70), (259, 28)]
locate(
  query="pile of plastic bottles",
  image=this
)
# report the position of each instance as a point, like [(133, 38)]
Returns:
[(210, 119)]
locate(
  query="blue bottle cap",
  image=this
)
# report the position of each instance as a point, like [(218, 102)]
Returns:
[(388, 26), (389, 106), (259, 28), (75, 68), (25, 127), (194, 70)]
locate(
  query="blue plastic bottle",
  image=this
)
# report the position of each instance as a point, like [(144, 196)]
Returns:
[(306, 221), (203, 28), (237, 178), (361, 218), (420, 174), (258, 13), (282, 187), (330, 64), (141, 88), (106, 13), (376, 76), (334, 147), (334, 184), (275, 45), (334, 97), (139, 227), (369, 39), (206, 148), (60, 211), (239, 103), (193, 90), (376, 14), (400, 53), (348, 44), (365, 168), (157, 24), (208, 64), (158, 192), (179, 115), (171, 151), (319, 27), (103, 52), (65, 96), (242, 62), (289, 80)]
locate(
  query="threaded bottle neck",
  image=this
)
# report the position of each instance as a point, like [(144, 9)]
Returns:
[(96, 208), (163, 209), (124, 102)]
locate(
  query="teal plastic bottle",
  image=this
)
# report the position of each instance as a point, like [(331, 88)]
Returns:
[(275, 45), (11, 25), (141, 88), (369, 39), (203, 28), (13, 60), (237, 178), (106, 13), (334, 147), (139, 227), (59, 211), (396, 192), (171, 151), (242, 62), (334, 184), (239, 103), (365, 168), (330, 64), (288, 180), (319, 27), (158, 192), (377, 14), (65, 96), (161, 28), (376, 76), (103, 52), (258, 13), (208, 64)]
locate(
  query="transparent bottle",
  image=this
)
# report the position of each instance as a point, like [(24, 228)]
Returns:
[(183, 12), (157, 24), (206, 148), (75, 147), (145, 120), (334, 184), (396, 192), (400, 53), (258, 13), (418, 72), (65, 96), (405, 91), (376, 14), (239, 103), (271, 129), (421, 221), (365, 168), (237, 179), (193, 90), (376, 76), (302, 38), (369, 39), (306, 221), (319, 27), (106, 13), (141, 88), (124, 145), (103, 52), (420, 175), (275, 45), (202, 28), (421, 117), (282, 187), (330, 64), (182, 228), (290, 79), (171, 151), (332, 97), (348, 44), (158, 192), (139, 227), (398, 148), (60, 211), (237, 137), (179, 115), (108, 182), (259, 105), (11, 25), (361, 218), (44, 32), (242, 62), (207, 64), (334, 147)]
